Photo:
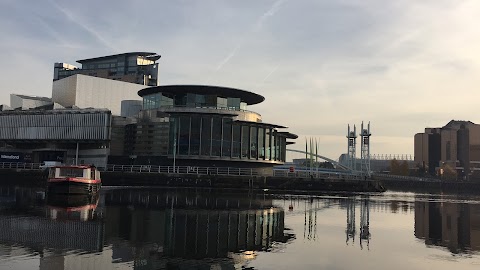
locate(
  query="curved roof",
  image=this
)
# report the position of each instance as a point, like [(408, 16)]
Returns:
[(248, 97)]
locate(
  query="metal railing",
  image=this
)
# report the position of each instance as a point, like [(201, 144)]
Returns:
[(197, 170), (184, 170), (406, 178), (19, 165), (317, 174)]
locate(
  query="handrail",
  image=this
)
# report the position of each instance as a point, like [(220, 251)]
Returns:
[(198, 170)]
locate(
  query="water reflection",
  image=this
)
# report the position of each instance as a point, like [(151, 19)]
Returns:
[(139, 229), (455, 226), (314, 206), (165, 227), (187, 229), (41, 226)]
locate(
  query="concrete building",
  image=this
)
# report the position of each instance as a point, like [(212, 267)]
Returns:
[(457, 145), (4, 107), (23, 102), (134, 67), (84, 91), (56, 135)]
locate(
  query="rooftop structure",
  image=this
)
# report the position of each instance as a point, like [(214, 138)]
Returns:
[(134, 67)]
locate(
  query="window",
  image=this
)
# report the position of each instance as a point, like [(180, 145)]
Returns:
[(227, 137), (195, 135), (245, 141), (253, 142), (206, 135), (236, 141), (216, 136), (261, 143)]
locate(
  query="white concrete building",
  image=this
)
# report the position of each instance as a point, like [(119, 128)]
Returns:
[(28, 102), (85, 91)]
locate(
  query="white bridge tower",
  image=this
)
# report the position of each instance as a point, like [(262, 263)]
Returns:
[(352, 144), (365, 148)]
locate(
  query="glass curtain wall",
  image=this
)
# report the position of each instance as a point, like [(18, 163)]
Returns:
[(159, 100), (209, 135)]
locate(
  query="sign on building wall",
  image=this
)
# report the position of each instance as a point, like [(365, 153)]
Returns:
[(11, 157)]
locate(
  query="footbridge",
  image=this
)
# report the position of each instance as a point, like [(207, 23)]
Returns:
[(335, 163)]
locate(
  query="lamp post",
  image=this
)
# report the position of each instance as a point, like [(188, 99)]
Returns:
[(174, 142)]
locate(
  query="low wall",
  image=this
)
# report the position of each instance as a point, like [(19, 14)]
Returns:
[(36, 177), (429, 185)]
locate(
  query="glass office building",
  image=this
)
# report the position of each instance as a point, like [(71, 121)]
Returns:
[(209, 123)]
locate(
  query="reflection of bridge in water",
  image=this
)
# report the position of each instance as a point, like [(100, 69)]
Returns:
[(313, 207)]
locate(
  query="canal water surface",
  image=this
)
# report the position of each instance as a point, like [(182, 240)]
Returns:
[(153, 228)]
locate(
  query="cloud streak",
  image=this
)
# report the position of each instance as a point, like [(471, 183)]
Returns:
[(71, 17), (256, 27)]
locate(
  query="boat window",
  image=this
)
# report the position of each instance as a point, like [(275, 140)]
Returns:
[(92, 174), (51, 173), (72, 172)]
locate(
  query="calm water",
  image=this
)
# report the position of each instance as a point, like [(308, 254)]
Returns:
[(133, 228)]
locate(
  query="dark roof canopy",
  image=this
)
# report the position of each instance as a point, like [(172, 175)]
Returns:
[(260, 124), (289, 135), (248, 97), (153, 55)]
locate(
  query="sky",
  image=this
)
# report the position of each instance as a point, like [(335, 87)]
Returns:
[(401, 65)]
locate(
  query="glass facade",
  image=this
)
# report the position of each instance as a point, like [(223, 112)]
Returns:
[(160, 100), (215, 136), (156, 101)]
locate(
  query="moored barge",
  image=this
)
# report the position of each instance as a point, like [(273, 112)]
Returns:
[(74, 180)]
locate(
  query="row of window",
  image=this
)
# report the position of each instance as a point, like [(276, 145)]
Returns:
[(159, 100), (220, 137)]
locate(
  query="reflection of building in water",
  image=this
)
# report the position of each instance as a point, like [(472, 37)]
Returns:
[(179, 230), (143, 230), (53, 230), (452, 225)]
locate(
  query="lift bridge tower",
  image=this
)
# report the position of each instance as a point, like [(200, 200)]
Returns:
[(352, 144), (365, 150)]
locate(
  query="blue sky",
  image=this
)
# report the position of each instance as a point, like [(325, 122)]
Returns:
[(402, 65)]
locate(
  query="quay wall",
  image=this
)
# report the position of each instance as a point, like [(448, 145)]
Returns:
[(35, 177), (428, 185)]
